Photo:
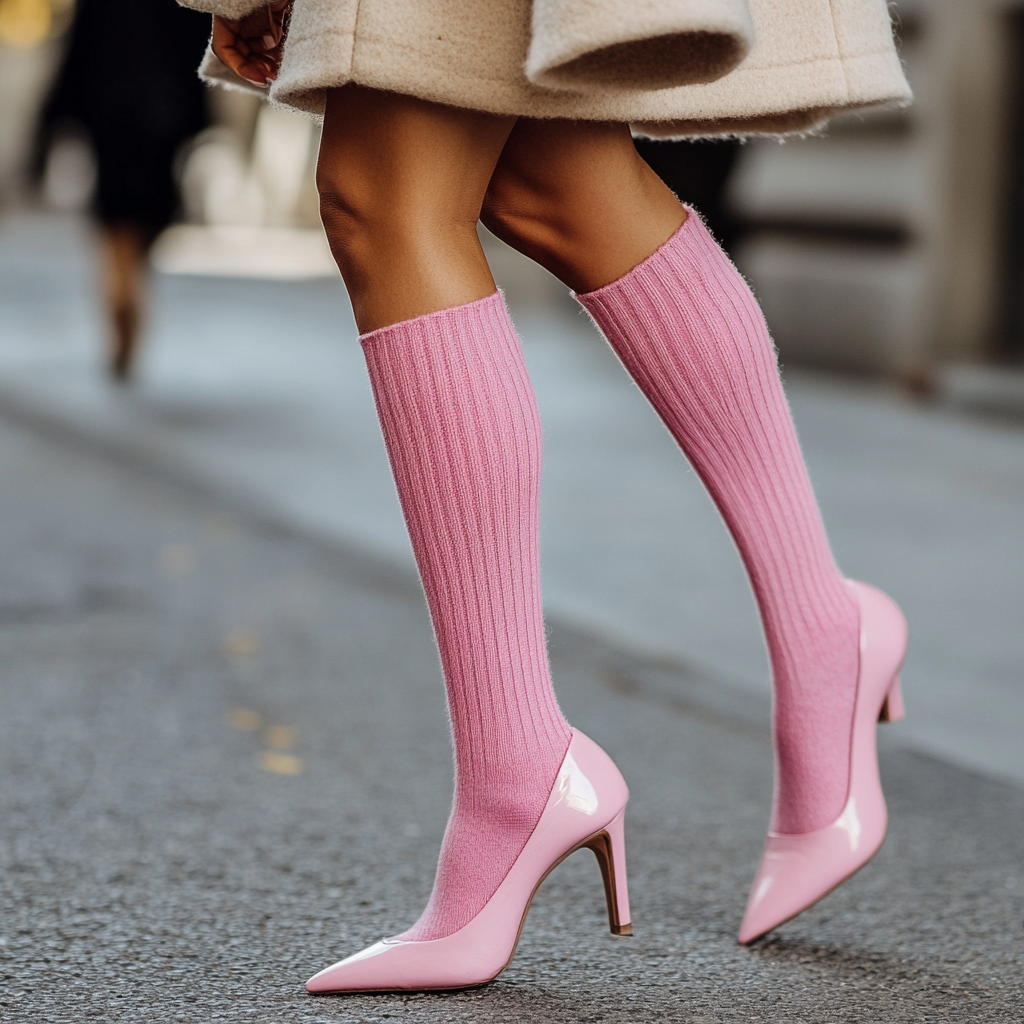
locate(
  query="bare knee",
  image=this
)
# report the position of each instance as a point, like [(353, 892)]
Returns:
[(527, 219), (359, 221), (400, 183), (579, 200), (401, 252), (581, 242)]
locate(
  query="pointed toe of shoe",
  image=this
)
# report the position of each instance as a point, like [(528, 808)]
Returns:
[(783, 886), (384, 966), (375, 967), (754, 925), (798, 870), (780, 890), (468, 958), (347, 974), (326, 981)]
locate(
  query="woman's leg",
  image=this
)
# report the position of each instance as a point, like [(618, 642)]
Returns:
[(125, 245), (401, 184), (578, 199)]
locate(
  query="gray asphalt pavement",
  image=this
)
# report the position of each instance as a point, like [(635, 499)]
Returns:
[(225, 764)]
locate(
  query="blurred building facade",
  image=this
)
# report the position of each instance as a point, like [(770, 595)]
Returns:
[(893, 243)]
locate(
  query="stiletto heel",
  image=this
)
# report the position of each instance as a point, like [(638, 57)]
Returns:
[(892, 709), (798, 870), (585, 809), (609, 847)]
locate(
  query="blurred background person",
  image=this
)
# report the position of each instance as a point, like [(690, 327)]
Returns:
[(137, 107)]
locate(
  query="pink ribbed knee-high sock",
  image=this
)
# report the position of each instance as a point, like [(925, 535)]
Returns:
[(690, 333), (460, 422)]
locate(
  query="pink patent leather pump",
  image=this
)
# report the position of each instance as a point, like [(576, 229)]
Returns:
[(798, 870), (585, 809)]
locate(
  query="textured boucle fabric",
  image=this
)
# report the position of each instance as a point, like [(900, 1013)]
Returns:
[(665, 66), (226, 8)]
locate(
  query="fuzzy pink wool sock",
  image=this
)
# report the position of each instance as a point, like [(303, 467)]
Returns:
[(691, 334), (462, 432)]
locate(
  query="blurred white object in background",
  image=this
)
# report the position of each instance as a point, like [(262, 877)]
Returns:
[(252, 210), (284, 162), (234, 250), (218, 186)]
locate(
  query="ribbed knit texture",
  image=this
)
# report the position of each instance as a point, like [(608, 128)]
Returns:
[(463, 435), (691, 334)]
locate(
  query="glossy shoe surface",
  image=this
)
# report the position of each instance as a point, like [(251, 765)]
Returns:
[(798, 870), (586, 808)]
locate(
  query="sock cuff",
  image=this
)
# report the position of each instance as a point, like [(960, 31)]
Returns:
[(468, 315), (691, 242)]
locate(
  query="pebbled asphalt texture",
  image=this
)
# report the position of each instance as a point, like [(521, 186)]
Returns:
[(224, 764)]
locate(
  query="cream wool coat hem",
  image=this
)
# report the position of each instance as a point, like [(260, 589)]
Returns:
[(761, 67)]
